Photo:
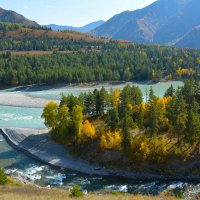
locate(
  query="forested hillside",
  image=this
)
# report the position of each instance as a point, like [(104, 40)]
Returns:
[(42, 56)]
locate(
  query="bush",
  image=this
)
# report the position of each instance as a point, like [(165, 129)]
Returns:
[(3, 177), (179, 194), (76, 192)]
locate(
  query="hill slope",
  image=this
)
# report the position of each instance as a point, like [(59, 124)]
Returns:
[(190, 40), (163, 22), (13, 17), (83, 29)]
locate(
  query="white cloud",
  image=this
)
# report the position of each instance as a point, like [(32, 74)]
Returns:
[(25, 7)]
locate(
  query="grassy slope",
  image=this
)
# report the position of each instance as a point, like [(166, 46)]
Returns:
[(68, 35), (17, 191)]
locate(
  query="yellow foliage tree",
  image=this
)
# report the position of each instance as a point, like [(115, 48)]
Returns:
[(115, 97), (88, 132), (50, 114), (111, 141)]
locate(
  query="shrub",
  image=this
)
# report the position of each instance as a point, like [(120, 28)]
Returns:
[(3, 177), (111, 140), (76, 192), (179, 194)]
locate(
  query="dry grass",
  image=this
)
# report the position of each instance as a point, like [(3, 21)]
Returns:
[(36, 53), (22, 32), (16, 191)]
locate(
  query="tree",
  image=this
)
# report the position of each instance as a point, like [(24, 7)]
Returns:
[(103, 101), (151, 94), (115, 97), (125, 115), (127, 75), (64, 122), (89, 103), (77, 120), (113, 119), (170, 92), (193, 124), (50, 115), (181, 117), (88, 131), (136, 95), (153, 117), (111, 140)]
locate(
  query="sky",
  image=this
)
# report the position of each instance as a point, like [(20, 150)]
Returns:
[(71, 12)]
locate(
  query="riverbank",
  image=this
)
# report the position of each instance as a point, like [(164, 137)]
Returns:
[(17, 191), (34, 96), (22, 100), (38, 145)]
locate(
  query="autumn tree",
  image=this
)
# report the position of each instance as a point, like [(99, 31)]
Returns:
[(50, 115), (77, 120)]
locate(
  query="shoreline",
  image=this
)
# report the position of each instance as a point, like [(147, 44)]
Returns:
[(79, 85), (38, 145), (21, 96), (22, 100)]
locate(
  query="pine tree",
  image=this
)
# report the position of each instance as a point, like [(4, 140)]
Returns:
[(170, 92), (151, 94), (193, 124), (113, 119)]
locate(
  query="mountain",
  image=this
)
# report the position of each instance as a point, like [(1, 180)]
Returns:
[(13, 17), (84, 29), (166, 22), (190, 40)]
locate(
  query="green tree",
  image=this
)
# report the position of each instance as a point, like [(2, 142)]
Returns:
[(181, 117), (193, 124), (153, 117), (113, 119), (136, 95), (151, 94), (170, 92)]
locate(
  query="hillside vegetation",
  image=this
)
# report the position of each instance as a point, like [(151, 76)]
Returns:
[(42, 56)]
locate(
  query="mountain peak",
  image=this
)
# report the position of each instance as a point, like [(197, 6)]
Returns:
[(162, 22), (13, 17)]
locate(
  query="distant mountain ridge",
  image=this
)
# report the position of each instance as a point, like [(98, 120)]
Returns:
[(13, 17), (83, 29), (166, 22)]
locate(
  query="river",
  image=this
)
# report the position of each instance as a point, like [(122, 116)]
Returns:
[(23, 167)]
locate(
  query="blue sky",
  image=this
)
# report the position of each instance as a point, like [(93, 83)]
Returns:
[(71, 12)]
